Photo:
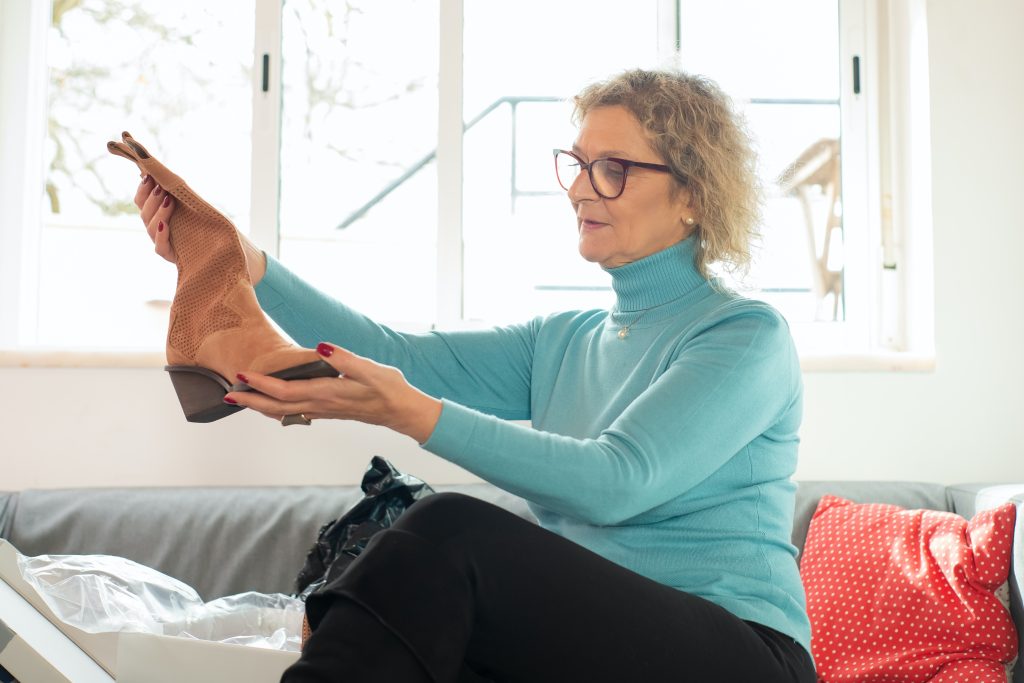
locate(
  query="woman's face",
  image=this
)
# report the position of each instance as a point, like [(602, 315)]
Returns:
[(647, 217)]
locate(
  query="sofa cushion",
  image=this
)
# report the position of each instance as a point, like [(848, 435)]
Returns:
[(909, 595)]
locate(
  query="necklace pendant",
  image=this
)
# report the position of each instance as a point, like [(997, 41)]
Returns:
[(624, 332)]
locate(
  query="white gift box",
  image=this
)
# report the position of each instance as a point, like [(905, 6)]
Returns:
[(36, 647)]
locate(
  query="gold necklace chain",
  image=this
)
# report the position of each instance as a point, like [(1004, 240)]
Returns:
[(626, 327), (624, 330)]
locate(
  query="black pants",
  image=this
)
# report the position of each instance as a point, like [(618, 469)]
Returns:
[(461, 590)]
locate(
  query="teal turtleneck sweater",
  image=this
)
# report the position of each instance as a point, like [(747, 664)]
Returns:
[(669, 452)]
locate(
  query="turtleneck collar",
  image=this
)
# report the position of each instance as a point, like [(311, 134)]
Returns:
[(657, 279)]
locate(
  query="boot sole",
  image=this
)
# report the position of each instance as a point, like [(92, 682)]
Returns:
[(201, 392)]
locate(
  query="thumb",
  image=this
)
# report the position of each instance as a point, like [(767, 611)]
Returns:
[(345, 362)]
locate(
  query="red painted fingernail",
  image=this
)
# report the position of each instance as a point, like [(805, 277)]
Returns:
[(157, 190), (324, 349), (145, 179), (167, 201), (242, 378), (228, 399), (160, 226)]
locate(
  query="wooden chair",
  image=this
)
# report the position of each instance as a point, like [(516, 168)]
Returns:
[(818, 168)]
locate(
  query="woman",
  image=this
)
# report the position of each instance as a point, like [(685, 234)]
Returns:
[(664, 437)]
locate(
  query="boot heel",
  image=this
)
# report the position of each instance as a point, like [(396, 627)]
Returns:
[(201, 393)]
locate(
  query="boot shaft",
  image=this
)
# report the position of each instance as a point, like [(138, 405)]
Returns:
[(210, 262)]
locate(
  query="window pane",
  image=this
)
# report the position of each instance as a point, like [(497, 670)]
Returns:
[(752, 48), (177, 75), (358, 136), (781, 63), (520, 240), (792, 269)]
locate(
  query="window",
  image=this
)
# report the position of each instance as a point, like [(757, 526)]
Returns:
[(792, 105), (518, 225), (413, 179), (179, 79), (793, 66), (360, 116)]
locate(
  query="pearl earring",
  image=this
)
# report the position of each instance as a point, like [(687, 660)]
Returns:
[(689, 220)]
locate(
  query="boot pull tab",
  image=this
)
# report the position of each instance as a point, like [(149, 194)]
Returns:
[(122, 150), (136, 147)]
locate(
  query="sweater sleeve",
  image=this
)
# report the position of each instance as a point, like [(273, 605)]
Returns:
[(487, 371), (724, 388)]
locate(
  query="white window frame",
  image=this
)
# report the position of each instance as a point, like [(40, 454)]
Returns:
[(858, 146), (886, 209), (885, 138), (266, 127), (449, 168), (23, 26)]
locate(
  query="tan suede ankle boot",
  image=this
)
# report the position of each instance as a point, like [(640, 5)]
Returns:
[(216, 327)]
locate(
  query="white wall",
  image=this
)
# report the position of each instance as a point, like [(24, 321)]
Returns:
[(91, 427), (963, 421)]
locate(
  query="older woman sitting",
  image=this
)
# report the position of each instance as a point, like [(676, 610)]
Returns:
[(663, 439)]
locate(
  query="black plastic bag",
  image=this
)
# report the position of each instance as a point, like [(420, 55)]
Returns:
[(388, 494)]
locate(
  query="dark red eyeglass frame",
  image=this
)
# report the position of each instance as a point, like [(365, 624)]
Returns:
[(625, 163)]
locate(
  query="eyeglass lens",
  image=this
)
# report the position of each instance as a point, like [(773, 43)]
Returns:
[(606, 176)]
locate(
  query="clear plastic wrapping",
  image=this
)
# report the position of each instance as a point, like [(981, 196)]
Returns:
[(102, 593)]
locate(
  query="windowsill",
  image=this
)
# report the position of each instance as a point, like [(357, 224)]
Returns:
[(60, 358), (879, 361), (874, 361)]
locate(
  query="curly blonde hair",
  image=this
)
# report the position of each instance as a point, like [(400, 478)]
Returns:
[(693, 125)]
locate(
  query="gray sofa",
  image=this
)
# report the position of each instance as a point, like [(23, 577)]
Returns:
[(229, 540)]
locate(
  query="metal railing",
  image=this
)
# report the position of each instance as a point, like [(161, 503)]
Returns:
[(513, 101), (515, 192)]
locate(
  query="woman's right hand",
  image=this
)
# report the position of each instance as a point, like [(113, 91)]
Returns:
[(157, 207)]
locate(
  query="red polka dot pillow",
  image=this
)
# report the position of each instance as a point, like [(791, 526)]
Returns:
[(901, 596)]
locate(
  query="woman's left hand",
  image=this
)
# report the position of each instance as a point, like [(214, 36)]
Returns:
[(366, 391)]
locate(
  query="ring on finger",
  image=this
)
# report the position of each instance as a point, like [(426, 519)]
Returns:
[(296, 419)]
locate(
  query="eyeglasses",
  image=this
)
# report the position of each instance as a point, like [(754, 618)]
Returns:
[(607, 176)]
